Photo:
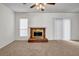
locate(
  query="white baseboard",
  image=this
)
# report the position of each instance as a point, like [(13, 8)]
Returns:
[(6, 44)]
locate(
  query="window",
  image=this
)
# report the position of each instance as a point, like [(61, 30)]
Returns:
[(23, 27)]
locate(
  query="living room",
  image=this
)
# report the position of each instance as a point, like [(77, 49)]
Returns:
[(28, 29)]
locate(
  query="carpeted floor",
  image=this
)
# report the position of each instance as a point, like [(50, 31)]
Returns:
[(51, 48)]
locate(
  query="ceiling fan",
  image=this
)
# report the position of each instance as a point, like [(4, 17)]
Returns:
[(41, 6)]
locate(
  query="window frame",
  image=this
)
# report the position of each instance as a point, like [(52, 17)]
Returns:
[(25, 29)]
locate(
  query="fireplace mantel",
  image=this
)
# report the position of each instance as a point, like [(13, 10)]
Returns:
[(37, 35)]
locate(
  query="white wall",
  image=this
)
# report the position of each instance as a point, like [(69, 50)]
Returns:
[(47, 20), (6, 26), (75, 27)]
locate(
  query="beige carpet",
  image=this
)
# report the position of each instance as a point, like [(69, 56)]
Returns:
[(51, 48)]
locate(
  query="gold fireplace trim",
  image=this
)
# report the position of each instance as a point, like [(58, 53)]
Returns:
[(38, 30), (41, 38)]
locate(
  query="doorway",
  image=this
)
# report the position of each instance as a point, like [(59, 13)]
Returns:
[(62, 29)]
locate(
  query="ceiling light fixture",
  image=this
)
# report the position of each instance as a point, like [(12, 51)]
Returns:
[(40, 6)]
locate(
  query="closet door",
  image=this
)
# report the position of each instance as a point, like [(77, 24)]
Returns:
[(58, 29), (66, 29)]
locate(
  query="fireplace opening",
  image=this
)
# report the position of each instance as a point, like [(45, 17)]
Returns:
[(37, 33)]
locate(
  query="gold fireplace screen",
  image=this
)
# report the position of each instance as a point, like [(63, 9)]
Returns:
[(41, 30)]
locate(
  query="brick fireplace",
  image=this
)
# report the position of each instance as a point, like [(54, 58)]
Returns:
[(37, 35)]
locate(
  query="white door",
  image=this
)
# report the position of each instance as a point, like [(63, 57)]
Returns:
[(58, 29), (66, 29)]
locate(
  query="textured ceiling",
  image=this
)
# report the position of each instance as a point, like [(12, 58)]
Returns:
[(58, 8)]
